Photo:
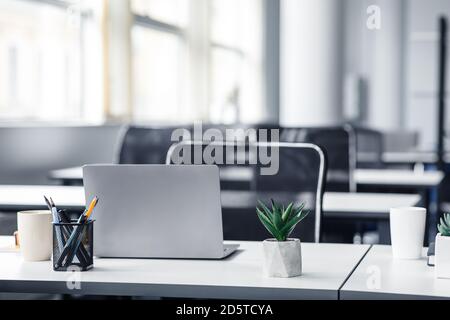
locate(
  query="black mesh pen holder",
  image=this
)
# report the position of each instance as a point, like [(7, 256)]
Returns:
[(73, 248)]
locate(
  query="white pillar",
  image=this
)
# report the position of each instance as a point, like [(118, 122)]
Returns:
[(386, 76), (118, 67), (311, 62)]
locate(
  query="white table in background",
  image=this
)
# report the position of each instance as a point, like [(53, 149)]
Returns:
[(365, 205), (240, 276), (375, 177), (74, 175), (335, 204), (398, 178), (379, 276), (413, 157), (341, 204)]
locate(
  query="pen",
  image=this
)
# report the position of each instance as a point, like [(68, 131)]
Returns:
[(54, 212), (82, 254)]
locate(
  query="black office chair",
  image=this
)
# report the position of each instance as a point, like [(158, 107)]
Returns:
[(266, 136), (340, 148), (146, 145), (227, 155), (238, 133), (369, 147), (246, 133), (300, 177)]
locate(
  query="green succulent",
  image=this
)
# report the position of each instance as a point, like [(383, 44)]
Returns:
[(444, 226), (280, 222)]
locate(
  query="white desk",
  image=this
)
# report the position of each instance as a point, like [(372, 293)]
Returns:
[(75, 174), (410, 157), (405, 178), (399, 279), (325, 269), (413, 157), (376, 177), (17, 197), (367, 205), (67, 174), (335, 204)]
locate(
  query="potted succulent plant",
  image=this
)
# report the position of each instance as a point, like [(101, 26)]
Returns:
[(442, 248), (282, 255)]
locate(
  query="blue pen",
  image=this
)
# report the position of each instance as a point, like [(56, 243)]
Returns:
[(54, 211)]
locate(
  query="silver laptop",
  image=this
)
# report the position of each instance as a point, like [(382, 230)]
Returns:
[(156, 211)]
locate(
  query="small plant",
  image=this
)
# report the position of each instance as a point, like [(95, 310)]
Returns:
[(280, 222), (444, 226)]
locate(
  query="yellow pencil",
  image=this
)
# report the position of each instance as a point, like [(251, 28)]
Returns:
[(91, 207)]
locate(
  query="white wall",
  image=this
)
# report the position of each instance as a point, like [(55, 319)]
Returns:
[(325, 42), (398, 63), (376, 57), (422, 68)]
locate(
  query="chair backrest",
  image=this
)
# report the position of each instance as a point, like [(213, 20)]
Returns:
[(246, 133), (369, 147), (339, 146), (146, 145), (239, 133), (225, 154), (400, 141), (300, 177)]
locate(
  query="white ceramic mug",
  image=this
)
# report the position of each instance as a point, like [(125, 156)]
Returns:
[(407, 232), (35, 234)]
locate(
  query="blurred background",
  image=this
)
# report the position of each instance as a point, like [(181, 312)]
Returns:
[(74, 73), (293, 61)]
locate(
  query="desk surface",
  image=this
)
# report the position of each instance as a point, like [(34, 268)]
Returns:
[(19, 197), (238, 276), (412, 157), (335, 204), (75, 174), (401, 279), (389, 177), (407, 178), (15, 197)]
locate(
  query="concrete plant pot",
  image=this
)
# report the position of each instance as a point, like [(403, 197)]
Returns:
[(442, 257), (282, 259)]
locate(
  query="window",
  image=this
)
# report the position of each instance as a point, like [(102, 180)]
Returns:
[(157, 78), (182, 61), (158, 57), (171, 12), (42, 60), (236, 63)]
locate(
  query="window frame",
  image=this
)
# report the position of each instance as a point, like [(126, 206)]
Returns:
[(197, 37), (204, 45), (150, 23), (81, 117)]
